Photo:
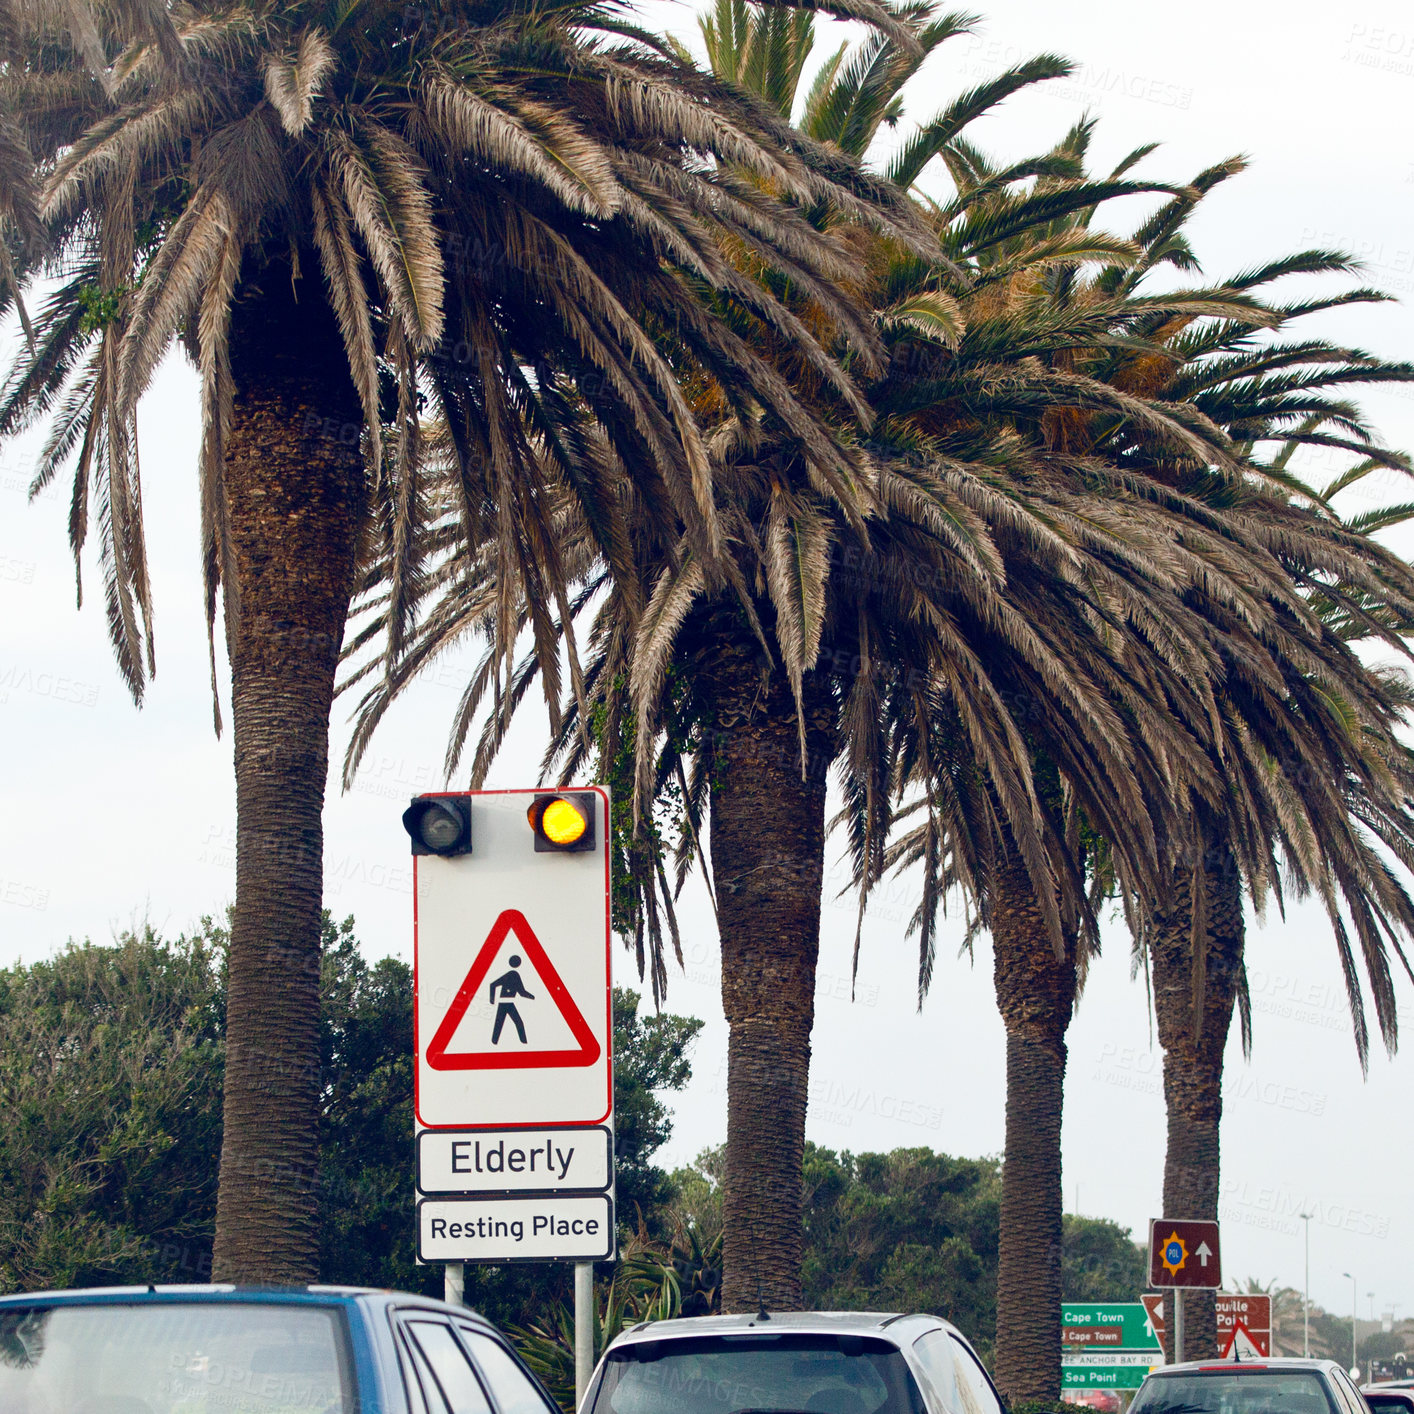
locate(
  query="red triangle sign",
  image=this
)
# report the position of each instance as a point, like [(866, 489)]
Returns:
[(512, 920), (1248, 1349)]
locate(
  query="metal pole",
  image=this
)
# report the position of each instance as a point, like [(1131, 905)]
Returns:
[(1306, 1300), (1354, 1317), (454, 1284), (1177, 1325), (583, 1328)]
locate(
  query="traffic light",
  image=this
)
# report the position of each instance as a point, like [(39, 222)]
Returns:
[(563, 822), (439, 824)]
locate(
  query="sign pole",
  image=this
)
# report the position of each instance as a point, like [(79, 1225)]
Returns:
[(1177, 1325), (583, 1328), (454, 1284)]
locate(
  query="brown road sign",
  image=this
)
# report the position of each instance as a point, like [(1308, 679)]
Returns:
[(1184, 1253), (1093, 1335), (1252, 1313)]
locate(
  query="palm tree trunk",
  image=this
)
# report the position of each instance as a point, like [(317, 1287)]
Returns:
[(295, 490), (768, 844), (1194, 1039), (1036, 995)]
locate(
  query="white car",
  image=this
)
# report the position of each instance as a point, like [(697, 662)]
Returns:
[(800, 1362)]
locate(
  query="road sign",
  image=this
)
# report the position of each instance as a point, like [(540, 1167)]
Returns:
[(516, 1229), (1254, 1313), (478, 1052), (1252, 1317), (512, 973), (1103, 1377), (1240, 1345), (1107, 1345), (1106, 1325), (482, 1161), (1184, 1253)]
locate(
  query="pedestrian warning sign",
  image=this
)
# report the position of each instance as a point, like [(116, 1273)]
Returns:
[(548, 1012), (513, 1005)]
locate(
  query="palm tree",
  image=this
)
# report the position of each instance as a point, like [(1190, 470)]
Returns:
[(727, 691), (1197, 988), (1220, 366), (340, 214)]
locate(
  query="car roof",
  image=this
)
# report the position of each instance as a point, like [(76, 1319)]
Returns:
[(227, 1294), (807, 1322), (1257, 1364)]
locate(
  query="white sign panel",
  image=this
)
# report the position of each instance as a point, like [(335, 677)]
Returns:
[(512, 966), (515, 1160), (515, 1229)]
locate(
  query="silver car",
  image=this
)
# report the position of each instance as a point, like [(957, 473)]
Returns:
[(802, 1362), (1260, 1386)]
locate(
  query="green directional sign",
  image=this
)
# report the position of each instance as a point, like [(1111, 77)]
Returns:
[(1106, 1325), (1107, 1345), (1113, 1377)]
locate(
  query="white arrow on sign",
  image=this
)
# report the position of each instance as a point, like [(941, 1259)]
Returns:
[(1203, 1253)]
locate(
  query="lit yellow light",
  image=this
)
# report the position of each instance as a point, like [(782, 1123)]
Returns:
[(562, 823)]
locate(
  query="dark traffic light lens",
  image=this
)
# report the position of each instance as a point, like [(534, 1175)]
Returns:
[(440, 829), (439, 825)]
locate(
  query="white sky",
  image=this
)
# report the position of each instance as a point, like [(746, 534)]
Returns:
[(113, 814)]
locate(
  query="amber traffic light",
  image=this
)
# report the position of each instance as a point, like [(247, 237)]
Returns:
[(563, 822)]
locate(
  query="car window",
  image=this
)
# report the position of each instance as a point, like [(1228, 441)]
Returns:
[(456, 1380), (975, 1393), (818, 1374), (180, 1357), (934, 1352), (1260, 1392), (1350, 1396), (1342, 1395), (512, 1389), (422, 1394)]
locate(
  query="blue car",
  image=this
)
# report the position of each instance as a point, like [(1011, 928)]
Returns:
[(255, 1350)]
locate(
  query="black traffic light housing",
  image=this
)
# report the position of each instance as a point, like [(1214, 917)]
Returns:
[(439, 824), (584, 802)]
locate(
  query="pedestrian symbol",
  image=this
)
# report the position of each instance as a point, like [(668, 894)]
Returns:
[(509, 985), (506, 991)]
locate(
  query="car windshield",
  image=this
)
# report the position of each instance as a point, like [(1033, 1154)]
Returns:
[(179, 1358), (805, 1374), (1261, 1392)]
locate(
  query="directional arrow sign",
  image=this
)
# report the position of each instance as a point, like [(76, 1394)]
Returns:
[(1184, 1252)]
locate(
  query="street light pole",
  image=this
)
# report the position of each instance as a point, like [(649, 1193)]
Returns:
[(1306, 1300), (1354, 1317)]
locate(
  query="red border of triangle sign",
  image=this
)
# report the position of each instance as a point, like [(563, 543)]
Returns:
[(511, 920)]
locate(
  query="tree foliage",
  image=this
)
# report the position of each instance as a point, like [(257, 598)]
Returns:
[(111, 1063), (916, 1230)]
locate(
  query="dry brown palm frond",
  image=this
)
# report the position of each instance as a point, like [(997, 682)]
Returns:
[(293, 83)]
